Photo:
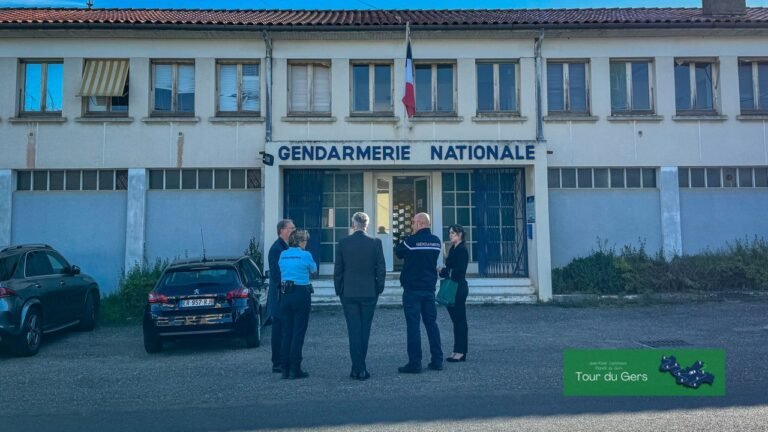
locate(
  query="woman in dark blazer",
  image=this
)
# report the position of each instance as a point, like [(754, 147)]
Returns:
[(456, 268)]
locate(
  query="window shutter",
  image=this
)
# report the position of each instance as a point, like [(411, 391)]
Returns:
[(299, 97), (228, 88), (321, 89)]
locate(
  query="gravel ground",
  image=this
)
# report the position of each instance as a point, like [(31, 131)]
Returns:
[(512, 379)]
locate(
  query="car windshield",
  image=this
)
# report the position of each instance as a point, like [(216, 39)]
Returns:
[(202, 280), (8, 266)]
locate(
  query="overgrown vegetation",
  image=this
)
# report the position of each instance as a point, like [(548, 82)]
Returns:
[(741, 265), (127, 304), (256, 253)]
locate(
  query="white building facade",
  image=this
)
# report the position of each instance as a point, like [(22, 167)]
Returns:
[(124, 141)]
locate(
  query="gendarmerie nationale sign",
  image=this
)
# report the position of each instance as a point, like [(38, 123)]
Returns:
[(383, 152)]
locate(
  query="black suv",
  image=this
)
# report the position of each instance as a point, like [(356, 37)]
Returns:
[(40, 292), (206, 296)]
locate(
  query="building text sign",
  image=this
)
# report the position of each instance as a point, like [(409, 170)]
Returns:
[(406, 152)]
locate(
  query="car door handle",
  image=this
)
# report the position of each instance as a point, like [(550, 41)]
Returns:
[(62, 283)]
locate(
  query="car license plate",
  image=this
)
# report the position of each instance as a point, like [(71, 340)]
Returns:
[(197, 302)]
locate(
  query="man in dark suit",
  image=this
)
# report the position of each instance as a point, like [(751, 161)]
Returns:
[(358, 275), (284, 229)]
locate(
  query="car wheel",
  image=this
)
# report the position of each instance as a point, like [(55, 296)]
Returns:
[(152, 342), (88, 316), (253, 338), (28, 342)]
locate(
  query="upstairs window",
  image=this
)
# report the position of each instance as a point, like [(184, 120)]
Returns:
[(42, 88), (309, 88), (238, 86), (631, 87), (435, 87), (105, 87), (173, 86), (696, 87), (372, 89), (497, 88), (567, 89), (753, 86)]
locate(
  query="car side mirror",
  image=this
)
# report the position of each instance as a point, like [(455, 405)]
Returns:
[(265, 276), (74, 270)]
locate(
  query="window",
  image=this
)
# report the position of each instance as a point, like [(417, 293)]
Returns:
[(372, 88), (174, 88), (204, 179), (42, 87), (631, 87), (723, 177), (435, 85), (457, 206), (696, 84), (753, 86), (71, 180), (238, 86), (105, 87), (309, 88), (342, 197), (601, 178), (38, 264), (497, 88), (567, 88), (58, 264)]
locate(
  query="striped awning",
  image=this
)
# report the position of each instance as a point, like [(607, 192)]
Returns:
[(104, 77)]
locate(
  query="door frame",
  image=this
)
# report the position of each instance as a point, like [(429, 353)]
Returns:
[(386, 239)]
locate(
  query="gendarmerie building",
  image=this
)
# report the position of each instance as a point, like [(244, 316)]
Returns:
[(130, 135)]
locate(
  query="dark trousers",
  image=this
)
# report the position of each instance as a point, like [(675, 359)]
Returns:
[(294, 317), (358, 312), (458, 313), (277, 340), (419, 305)]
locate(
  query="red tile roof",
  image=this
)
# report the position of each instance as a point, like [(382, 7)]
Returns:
[(671, 17)]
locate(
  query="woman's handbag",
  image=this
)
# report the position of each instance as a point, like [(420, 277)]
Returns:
[(446, 296)]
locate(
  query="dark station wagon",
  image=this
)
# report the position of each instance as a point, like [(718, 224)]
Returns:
[(209, 296)]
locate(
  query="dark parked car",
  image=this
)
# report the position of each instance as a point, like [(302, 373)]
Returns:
[(40, 292), (210, 296)]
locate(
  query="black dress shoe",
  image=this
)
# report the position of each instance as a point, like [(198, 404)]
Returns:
[(435, 367), (364, 375), (409, 369), (354, 375), (455, 360), (298, 374)]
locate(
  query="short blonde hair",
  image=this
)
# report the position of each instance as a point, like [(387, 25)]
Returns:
[(297, 237)]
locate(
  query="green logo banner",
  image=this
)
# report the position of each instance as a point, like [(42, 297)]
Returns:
[(644, 372)]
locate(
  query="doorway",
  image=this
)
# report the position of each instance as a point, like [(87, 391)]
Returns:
[(398, 199)]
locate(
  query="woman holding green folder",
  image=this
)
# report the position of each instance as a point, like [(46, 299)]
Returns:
[(456, 268)]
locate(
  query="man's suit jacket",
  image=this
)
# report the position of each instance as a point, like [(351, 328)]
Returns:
[(359, 270)]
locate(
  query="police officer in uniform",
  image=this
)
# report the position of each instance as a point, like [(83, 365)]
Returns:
[(284, 229), (296, 265)]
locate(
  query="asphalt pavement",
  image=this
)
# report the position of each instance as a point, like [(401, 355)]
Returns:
[(104, 381)]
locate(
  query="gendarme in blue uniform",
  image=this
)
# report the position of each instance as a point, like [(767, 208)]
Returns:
[(295, 303)]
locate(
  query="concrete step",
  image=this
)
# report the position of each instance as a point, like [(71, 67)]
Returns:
[(481, 291)]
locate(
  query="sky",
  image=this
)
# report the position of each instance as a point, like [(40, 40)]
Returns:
[(362, 4)]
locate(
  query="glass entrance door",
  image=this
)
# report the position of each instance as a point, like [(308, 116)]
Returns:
[(398, 199)]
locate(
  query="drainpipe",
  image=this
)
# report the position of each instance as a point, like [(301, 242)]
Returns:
[(268, 97), (539, 72)]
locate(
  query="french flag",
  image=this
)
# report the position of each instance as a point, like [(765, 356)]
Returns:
[(409, 100)]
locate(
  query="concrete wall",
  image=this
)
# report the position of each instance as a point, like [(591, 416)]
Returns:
[(228, 218), (577, 218), (710, 218), (88, 228)]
